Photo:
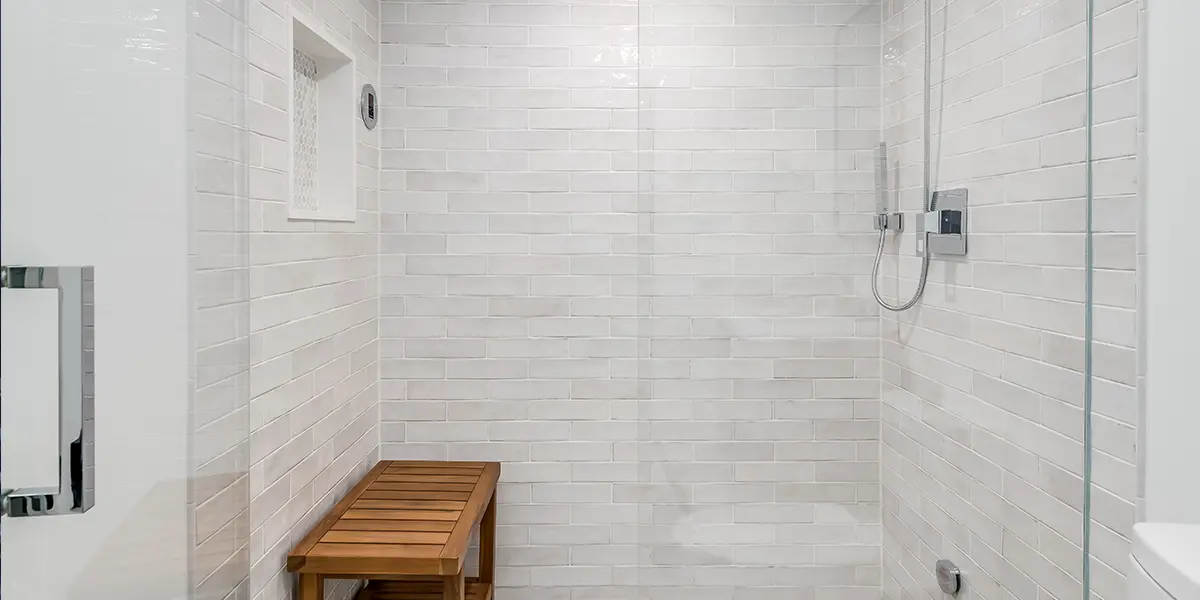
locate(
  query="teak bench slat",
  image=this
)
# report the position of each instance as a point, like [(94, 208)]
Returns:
[(369, 525), (415, 495), (406, 519)]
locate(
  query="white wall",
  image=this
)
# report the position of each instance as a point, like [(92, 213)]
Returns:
[(314, 307), (1172, 403), (95, 173), (527, 224)]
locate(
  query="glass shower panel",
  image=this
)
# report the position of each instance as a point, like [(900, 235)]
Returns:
[(1114, 264), (760, 367), (125, 188), (220, 157), (983, 382)]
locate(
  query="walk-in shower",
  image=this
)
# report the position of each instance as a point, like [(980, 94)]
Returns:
[(753, 299), (641, 254)]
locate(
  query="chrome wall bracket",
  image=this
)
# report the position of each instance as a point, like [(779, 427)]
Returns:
[(75, 492), (889, 222)]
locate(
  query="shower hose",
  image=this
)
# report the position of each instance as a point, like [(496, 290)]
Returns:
[(928, 203)]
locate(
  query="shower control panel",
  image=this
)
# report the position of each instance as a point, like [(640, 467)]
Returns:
[(945, 227)]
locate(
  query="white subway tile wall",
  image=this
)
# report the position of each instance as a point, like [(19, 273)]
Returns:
[(983, 384), (286, 407), (638, 275), (625, 248)]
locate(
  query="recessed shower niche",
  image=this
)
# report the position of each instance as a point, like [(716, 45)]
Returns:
[(323, 104)]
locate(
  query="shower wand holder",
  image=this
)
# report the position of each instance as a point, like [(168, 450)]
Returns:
[(889, 222)]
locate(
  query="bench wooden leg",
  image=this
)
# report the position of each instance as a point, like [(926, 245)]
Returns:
[(312, 587), (487, 543), (454, 587)]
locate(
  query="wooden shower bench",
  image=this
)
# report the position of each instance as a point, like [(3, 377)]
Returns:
[(406, 527)]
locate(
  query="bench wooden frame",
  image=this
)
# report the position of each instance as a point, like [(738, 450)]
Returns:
[(406, 527)]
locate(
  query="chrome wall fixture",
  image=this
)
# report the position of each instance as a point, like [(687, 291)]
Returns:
[(75, 492), (949, 578), (945, 225), (368, 106)]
